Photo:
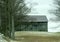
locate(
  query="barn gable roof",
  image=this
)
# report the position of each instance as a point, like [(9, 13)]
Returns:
[(35, 19)]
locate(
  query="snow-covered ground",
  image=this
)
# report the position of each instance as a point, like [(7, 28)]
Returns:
[(1, 38)]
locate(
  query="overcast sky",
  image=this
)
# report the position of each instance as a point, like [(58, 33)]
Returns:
[(42, 7)]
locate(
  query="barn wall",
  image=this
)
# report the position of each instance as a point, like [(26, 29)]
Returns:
[(32, 26)]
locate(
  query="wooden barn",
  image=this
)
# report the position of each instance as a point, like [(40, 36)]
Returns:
[(33, 23)]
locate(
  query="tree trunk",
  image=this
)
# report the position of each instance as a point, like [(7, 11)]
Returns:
[(12, 31)]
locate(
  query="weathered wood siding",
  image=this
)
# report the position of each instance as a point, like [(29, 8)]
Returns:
[(32, 26)]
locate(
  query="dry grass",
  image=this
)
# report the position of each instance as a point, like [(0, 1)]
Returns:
[(36, 36), (38, 39)]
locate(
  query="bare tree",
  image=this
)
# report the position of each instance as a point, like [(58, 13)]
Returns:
[(56, 10), (14, 10)]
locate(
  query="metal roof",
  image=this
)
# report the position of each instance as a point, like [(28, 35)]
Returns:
[(35, 19)]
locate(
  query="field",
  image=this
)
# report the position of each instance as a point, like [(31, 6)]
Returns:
[(31, 36)]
